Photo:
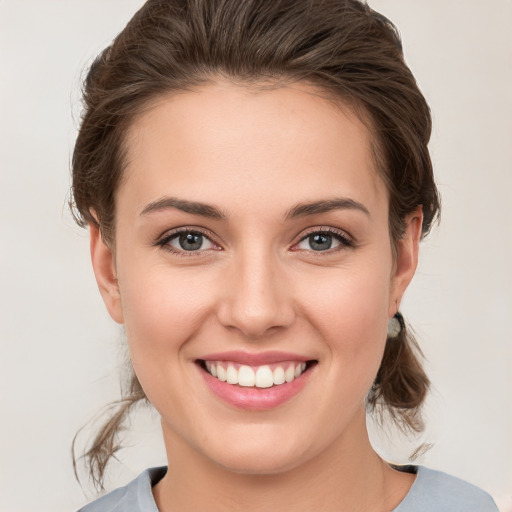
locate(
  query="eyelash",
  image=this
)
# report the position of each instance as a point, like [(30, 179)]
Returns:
[(164, 242), (340, 236)]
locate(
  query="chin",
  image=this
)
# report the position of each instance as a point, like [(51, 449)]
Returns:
[(260, 458), (259, 464)]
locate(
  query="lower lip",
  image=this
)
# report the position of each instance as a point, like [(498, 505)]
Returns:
[(256, 399)]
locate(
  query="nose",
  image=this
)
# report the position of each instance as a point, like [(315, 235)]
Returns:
[(257, 298)]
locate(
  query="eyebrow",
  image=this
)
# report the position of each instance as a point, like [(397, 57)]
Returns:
[(193, 207), (300, 210), (325, 206)]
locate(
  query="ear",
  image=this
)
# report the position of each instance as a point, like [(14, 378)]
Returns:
[(105, 272), (406, 259)]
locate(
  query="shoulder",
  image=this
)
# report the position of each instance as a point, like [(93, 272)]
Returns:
[(133, 497), (439, 492)]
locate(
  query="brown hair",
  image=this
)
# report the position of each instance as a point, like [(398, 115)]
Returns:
[(342, 46)]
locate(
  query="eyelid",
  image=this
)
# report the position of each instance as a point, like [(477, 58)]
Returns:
[(341, 235), (164, 239)]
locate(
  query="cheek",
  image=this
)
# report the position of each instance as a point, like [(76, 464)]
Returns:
[(156, 305), (351, 313), (354, 298), (163, 311), (162, 305)]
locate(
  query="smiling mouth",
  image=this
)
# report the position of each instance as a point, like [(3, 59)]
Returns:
[(263, 376)]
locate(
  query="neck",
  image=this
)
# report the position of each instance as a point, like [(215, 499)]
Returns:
[(349, 476)]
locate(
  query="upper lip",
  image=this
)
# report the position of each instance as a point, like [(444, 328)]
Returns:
[(255, 359)]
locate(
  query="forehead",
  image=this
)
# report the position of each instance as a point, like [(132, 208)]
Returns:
[(232, 142)]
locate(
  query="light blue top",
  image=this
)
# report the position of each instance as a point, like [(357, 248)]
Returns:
[(432, 491)]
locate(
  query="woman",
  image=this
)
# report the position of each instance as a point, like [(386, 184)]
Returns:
[(256, 180)]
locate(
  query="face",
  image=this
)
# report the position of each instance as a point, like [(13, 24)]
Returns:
[(254, 273)]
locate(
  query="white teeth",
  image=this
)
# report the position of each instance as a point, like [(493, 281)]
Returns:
[(246, 376), (231, 375), (221, 373), (278, 376), (264, 377), (260, 377), (289, 374)]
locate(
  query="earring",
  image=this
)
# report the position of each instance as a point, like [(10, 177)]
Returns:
[(395, 325)]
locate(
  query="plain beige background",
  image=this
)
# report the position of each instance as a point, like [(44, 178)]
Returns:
[(59, 350)]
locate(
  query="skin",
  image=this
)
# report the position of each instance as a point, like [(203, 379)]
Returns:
[(257, 285)]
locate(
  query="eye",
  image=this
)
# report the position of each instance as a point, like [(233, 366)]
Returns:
[(324, 240), (187, 241)]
